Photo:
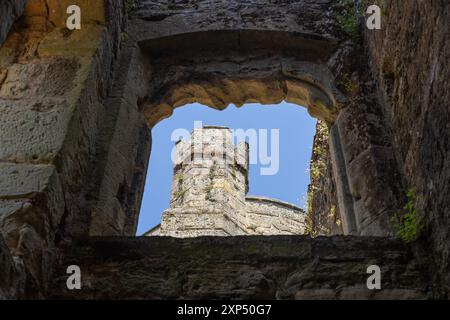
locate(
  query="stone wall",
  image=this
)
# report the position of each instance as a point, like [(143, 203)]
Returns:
[(53, 86), (368, 182), (324, 217), (270, 217), (409, 58), (12, 275), (258, 267)]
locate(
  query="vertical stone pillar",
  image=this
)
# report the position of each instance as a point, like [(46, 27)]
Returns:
[(124, 150), (373, 193)]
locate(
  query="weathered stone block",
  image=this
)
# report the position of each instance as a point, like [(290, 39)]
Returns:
[(372, 200), (40, 78)]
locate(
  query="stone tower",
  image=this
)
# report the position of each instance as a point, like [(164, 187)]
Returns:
[(209, 190)]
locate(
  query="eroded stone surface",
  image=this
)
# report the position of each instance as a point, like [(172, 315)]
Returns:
[(410, 60), (274, 267), (305, 17), (12, 277)]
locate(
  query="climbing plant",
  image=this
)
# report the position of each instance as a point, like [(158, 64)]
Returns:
[(319, 164), (408, 224), (317, 169)]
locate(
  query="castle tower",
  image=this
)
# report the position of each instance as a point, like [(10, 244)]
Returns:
[(209, 188), (209, 185)]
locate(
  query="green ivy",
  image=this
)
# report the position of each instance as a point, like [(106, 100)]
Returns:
[(408, 224), (123, 37), (348, 18), (130, 6), (317, 169), (319, 165)]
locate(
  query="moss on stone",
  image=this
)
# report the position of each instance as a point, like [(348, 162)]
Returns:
[(348, 17), (408, 224), (318, 169), (130, 6)]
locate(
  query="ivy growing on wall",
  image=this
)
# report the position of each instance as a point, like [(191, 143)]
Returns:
[(409, 224), (317, 170)]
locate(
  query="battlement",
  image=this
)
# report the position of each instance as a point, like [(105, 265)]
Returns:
[(209, 188), (211, 143)]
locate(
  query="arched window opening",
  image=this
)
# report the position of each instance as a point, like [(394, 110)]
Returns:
[(279, 139)]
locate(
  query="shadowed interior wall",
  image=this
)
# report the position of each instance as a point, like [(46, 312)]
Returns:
[(409, 58)]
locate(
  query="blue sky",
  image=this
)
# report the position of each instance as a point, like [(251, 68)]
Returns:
[(296, 132)]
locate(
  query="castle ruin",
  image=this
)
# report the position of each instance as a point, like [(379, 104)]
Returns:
[(209, 188)]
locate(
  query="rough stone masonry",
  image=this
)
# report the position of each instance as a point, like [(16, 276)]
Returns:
[(77, 108), (209, 190)]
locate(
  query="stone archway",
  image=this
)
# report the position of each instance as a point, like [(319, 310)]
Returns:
[(228, 74), (217, 68)]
